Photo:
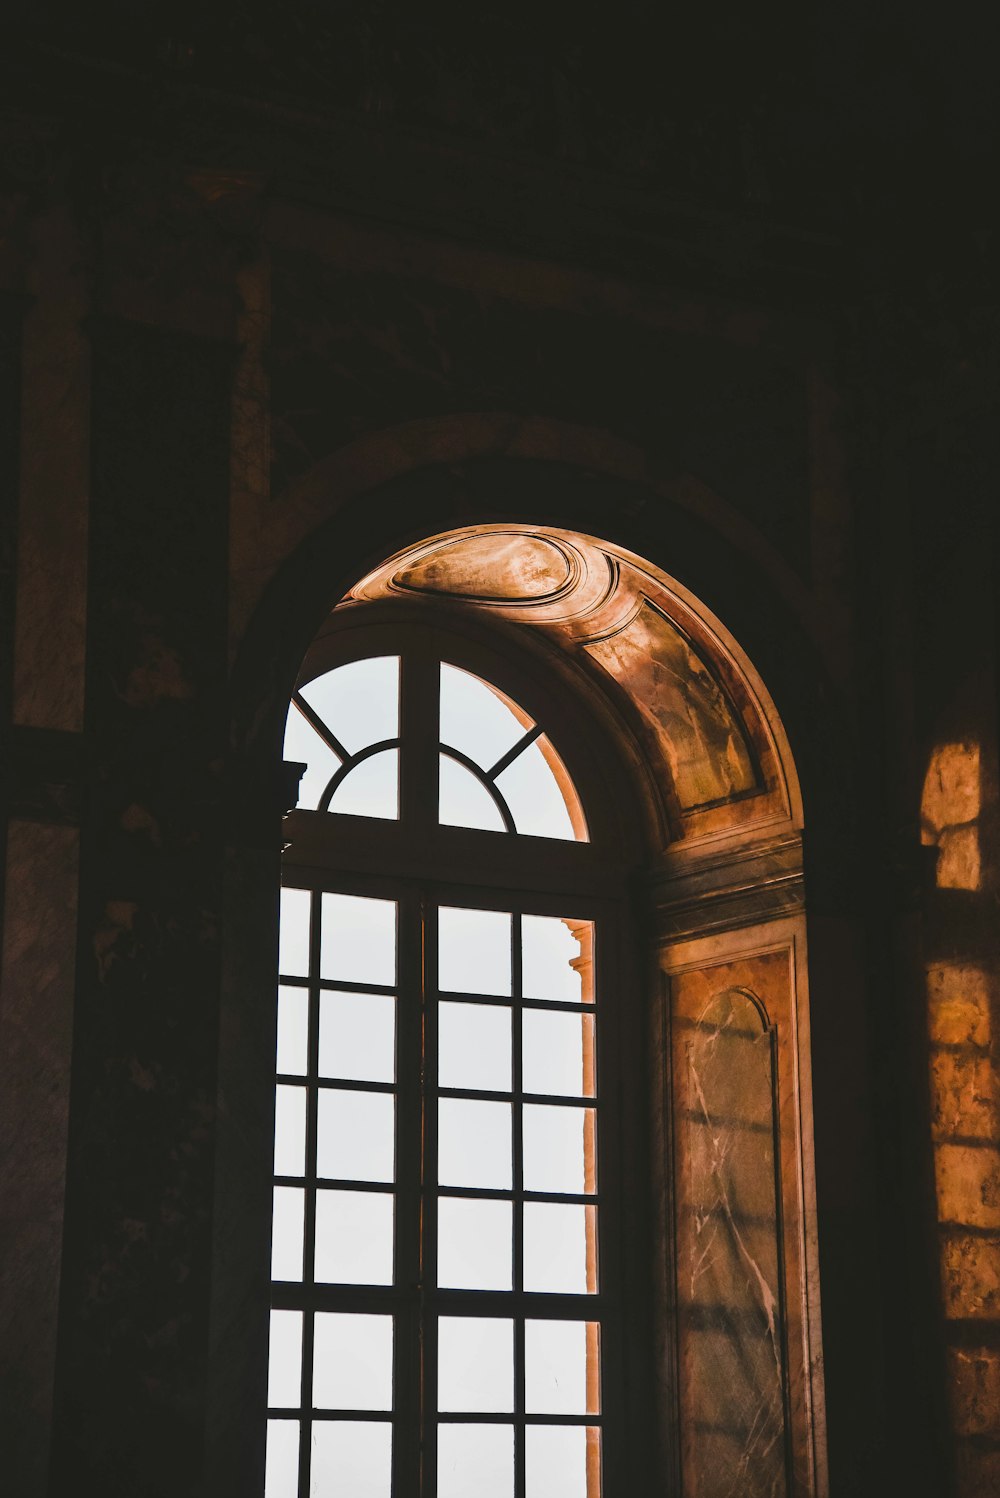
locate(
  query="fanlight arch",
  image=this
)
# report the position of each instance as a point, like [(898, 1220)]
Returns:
[(497, 768)]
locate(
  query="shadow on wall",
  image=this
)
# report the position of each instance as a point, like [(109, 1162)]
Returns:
[(963, 998)]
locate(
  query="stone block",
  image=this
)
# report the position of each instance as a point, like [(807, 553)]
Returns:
[(968, 1184), (963, 1097), (974, 1390), (970, 1276), (958, 1004), (952, 792)]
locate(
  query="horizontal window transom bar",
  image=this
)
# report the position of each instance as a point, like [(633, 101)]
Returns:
[(342, 1084), (566, 1006), (336, 985), (558, 1100), (564, 1305)]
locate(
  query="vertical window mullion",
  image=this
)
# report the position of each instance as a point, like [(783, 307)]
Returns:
[(420, 691), (517, 1214), (406, 1228), (429, 1205), (309, 1234)]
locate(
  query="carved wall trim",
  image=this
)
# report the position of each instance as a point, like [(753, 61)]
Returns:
[(768, 962), (726, 889)]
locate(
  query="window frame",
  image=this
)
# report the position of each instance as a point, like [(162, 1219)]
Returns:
[(331, 851)]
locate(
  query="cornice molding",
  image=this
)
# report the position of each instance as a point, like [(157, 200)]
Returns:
[(725, 890)]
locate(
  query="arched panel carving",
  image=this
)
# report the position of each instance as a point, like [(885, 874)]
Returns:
[(743, 1276), (693, 721), (731, 1327), (511, 568)]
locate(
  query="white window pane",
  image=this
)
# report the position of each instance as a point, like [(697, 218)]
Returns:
[(284, 1360), (464, 801), (355, 1135), (289, 1131), (354, 1238), (359, 701), (475, 1461), (533, 795), (548, 947), (358, 939), (293, 1031), (287, 1233), (556, 1461), (559, 1241), (371, 789), (474, 1244), (474, 1042), (558, 1357), (475, 719), (558, 1148), (558, 1050), (474, 1144), (357, 1037), (281, 1465), (303, 745), (352, 1362), (475, 1364), (293, 940), (474, 951), (351, 1459)]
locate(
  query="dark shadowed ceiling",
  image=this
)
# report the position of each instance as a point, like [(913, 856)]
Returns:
[(809, 125)]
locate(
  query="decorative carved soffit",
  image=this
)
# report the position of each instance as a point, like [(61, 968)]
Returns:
[(680, 683)]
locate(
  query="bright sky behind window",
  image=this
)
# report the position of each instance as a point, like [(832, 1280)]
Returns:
[(342, 714)]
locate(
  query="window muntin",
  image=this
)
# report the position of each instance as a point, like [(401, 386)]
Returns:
[(497, 771), (437, 1122), (343, 726), (509, 1222)]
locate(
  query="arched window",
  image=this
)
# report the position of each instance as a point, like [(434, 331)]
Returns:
[(447, 1307), (543, 1220)]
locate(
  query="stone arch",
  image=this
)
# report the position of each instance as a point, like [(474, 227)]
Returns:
[(370, 500), (286, 521)]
